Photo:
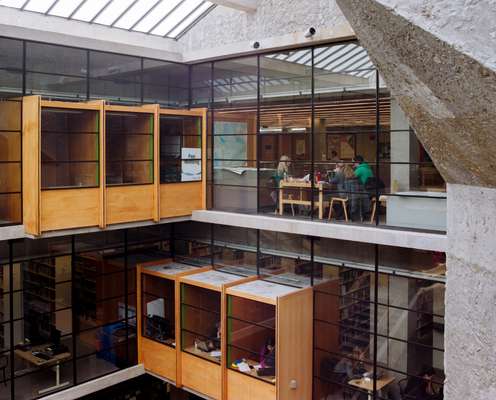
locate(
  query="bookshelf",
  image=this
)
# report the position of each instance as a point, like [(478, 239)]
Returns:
[(259, 313)]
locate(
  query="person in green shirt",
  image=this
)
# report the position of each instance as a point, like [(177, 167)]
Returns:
[(362, 170)]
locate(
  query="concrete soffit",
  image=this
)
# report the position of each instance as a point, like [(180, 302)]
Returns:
[(61, 31)]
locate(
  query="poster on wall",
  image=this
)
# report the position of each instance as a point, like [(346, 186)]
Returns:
[(230, 143), (340, 147), (190, 164)]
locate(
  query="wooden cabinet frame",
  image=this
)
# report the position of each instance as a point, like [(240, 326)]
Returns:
[(97, 207), (197, 374), (55, 209), (294, 344), (160, 359), (187, 196)]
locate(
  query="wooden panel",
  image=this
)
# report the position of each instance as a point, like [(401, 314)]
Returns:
[(129, 203), (243, 387), (294, 345), (178, 199), (10, 115), (200, 375), (69, 208), (158, 358), (31, 164), (93, 105)]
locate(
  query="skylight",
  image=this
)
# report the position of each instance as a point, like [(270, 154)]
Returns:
[(165, 18)]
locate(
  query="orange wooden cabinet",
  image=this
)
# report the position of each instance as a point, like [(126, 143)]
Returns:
[(88, 164), (158, 316), (182, 161), (203, 327), (261, 313), (131, 164), (62, 179)]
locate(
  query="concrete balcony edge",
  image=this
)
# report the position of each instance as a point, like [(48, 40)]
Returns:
[(355, 233)]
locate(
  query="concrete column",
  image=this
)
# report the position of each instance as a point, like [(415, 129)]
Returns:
[(404, 148), (470, 341)]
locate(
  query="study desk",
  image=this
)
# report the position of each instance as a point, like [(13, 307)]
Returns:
[(253, 372), (53, 362), (304, 195), (368, 384)]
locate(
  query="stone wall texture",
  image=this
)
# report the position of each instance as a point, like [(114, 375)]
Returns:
[(225, 26), (470, 331), (448, 96), (468, 25)]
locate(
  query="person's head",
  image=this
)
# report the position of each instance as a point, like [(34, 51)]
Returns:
[(339, 166), (348, 172), (270, 344), (357, 160), (427, 372), (358, 353), (283, 164)]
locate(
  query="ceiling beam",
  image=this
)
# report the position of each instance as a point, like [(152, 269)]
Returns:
[(241, 5)]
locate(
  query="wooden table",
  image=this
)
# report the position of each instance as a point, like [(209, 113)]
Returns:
[(301, 187), (368, 384), (253, 372), (53, 362)]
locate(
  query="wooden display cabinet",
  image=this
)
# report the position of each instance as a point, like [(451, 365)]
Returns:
[(158, 315), (258, 311), (61, 176), (180, 191), (203, 320), (131, 164)]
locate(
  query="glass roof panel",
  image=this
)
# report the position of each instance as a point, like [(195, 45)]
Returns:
[(135, 13), (89, 10), (40, 6), (190, 19), (113, 11), (167, 18), (12, 3), (162, 9), (65, 8), (176, 17)]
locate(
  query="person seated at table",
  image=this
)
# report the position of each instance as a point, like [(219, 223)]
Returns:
[(362, 170), (214, 342), (282, 172), (420, 387), (352, 367), (268, 354)]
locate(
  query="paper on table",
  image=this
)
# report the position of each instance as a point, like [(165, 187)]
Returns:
[(243, 367), (215, 353)]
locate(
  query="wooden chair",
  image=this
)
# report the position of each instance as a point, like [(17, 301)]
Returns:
[(344, 203), (374, 209)]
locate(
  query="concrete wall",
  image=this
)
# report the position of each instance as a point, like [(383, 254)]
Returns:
[(468, 25), (274, 23), (470, 340)]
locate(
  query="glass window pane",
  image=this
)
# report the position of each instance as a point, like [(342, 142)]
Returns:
[(40, 6), (135, 13), (40, 58), (65, 8), (129, 148), (89, 9), (160, 11), (69, 148), (113, 11), (11, 53)]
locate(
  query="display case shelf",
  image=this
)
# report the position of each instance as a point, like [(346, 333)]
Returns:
[(269, 331), (203, 330), (158, 310)]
